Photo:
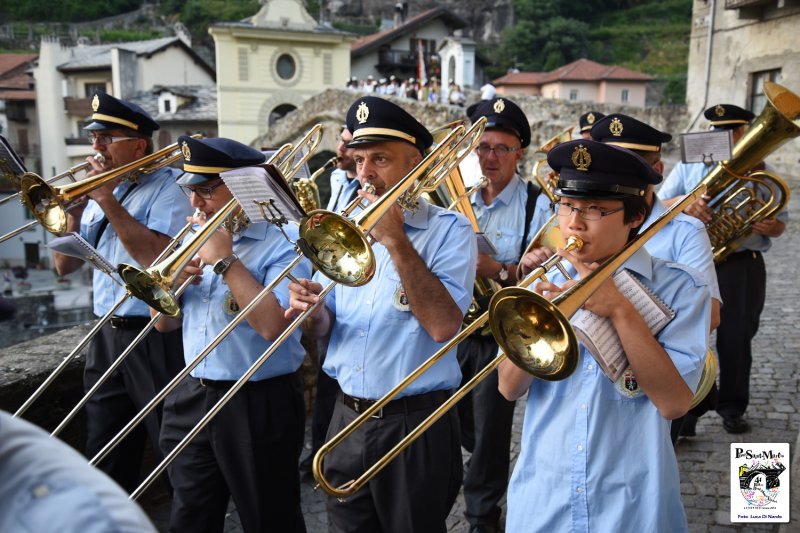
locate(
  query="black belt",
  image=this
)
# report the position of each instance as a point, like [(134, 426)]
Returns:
[(129, 322), (744, 254), (407, 404), (215, 383)]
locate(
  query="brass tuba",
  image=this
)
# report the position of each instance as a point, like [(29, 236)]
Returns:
[(735, 203)]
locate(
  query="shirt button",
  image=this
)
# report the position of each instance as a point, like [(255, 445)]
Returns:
[(580, 447), (590, 366), (362, 333), (368, 302), (40, 491), (579, 490), (583, 406)]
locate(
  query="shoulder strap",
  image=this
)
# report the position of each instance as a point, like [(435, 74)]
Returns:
[(530, 204), (104, 223)]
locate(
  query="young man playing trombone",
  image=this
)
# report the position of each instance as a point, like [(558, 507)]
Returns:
[(596, 454), (251, 449), (128, 223), (383, 330)]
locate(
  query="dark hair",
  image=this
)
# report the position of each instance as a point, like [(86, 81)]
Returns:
[(633, 206)]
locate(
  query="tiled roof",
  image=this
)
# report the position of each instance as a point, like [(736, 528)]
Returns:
[(99, 56), (9, 62), (370, 42), (202, 105), (580, 70), (520, 78), (588, 70)]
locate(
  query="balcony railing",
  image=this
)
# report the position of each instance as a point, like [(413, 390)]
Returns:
[(403, 58), (77, 106)]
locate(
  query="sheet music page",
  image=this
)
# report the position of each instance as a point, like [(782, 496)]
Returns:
[(256, 187), (74, 245), (10, 157), (598, 334)]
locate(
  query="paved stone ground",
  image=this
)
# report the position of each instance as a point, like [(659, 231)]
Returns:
[(774, 412)]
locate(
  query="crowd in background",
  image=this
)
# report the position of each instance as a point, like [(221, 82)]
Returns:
[(423, 90)]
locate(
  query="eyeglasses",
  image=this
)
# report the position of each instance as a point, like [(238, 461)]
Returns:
[(592, 213), (203, 192), (108, 139), (500, 150)]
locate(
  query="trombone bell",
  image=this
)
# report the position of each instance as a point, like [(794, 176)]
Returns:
[(534, 333), (337, 247), (43, 201), (150, 289)]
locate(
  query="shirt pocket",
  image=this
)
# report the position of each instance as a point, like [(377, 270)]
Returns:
[(397, 310)]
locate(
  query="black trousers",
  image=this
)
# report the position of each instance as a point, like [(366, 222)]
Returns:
[(324, 402), (144, 372), (742, 286), (249, 451), (486, 419), (414, 493)]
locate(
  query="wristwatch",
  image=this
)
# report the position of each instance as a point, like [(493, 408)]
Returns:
[(503, 274), (222, 266)]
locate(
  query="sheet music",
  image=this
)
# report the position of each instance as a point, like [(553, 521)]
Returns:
[(706, 146), (598, 334), (257, 187), (74, 245), (10, 158)]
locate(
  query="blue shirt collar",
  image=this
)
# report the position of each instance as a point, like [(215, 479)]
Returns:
[(506, 195), (418, 219)]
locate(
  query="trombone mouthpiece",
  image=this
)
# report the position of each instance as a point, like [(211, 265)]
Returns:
[(368, 187), (199, 213), (100, 158)]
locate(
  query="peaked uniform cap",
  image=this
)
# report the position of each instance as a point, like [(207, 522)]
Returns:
[(628, 132), (109, 113), (504, 114), (728, 116), (588, 119), (204, 159), (590, 169), (372, 120)]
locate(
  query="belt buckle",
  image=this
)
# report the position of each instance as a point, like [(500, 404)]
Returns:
[(203, 382), (378, 415)]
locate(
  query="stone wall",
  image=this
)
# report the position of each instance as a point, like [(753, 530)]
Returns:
[(547, 117)]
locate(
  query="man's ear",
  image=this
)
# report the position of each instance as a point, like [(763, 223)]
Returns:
[(658, 166)]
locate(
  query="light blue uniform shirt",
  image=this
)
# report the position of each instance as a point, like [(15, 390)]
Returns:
[(158, 203), (542, 213), (503, 222), (685, 177), (207, 310), (596, 459), (683, 240), (46, 486), (341, 190), (376, 341)]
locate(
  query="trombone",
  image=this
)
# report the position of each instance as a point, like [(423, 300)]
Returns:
[(352, 265), (175, 241), (154, 285), (49, 204), (306, 189), (279, 155), (530, 328), (352, 486), (71, 173)]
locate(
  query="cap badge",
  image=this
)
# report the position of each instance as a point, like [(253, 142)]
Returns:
[(590, 118), (581, 158), (615, 127), (719, 110), (499, 105), (95, 103), (362, 113), (187, 154)]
